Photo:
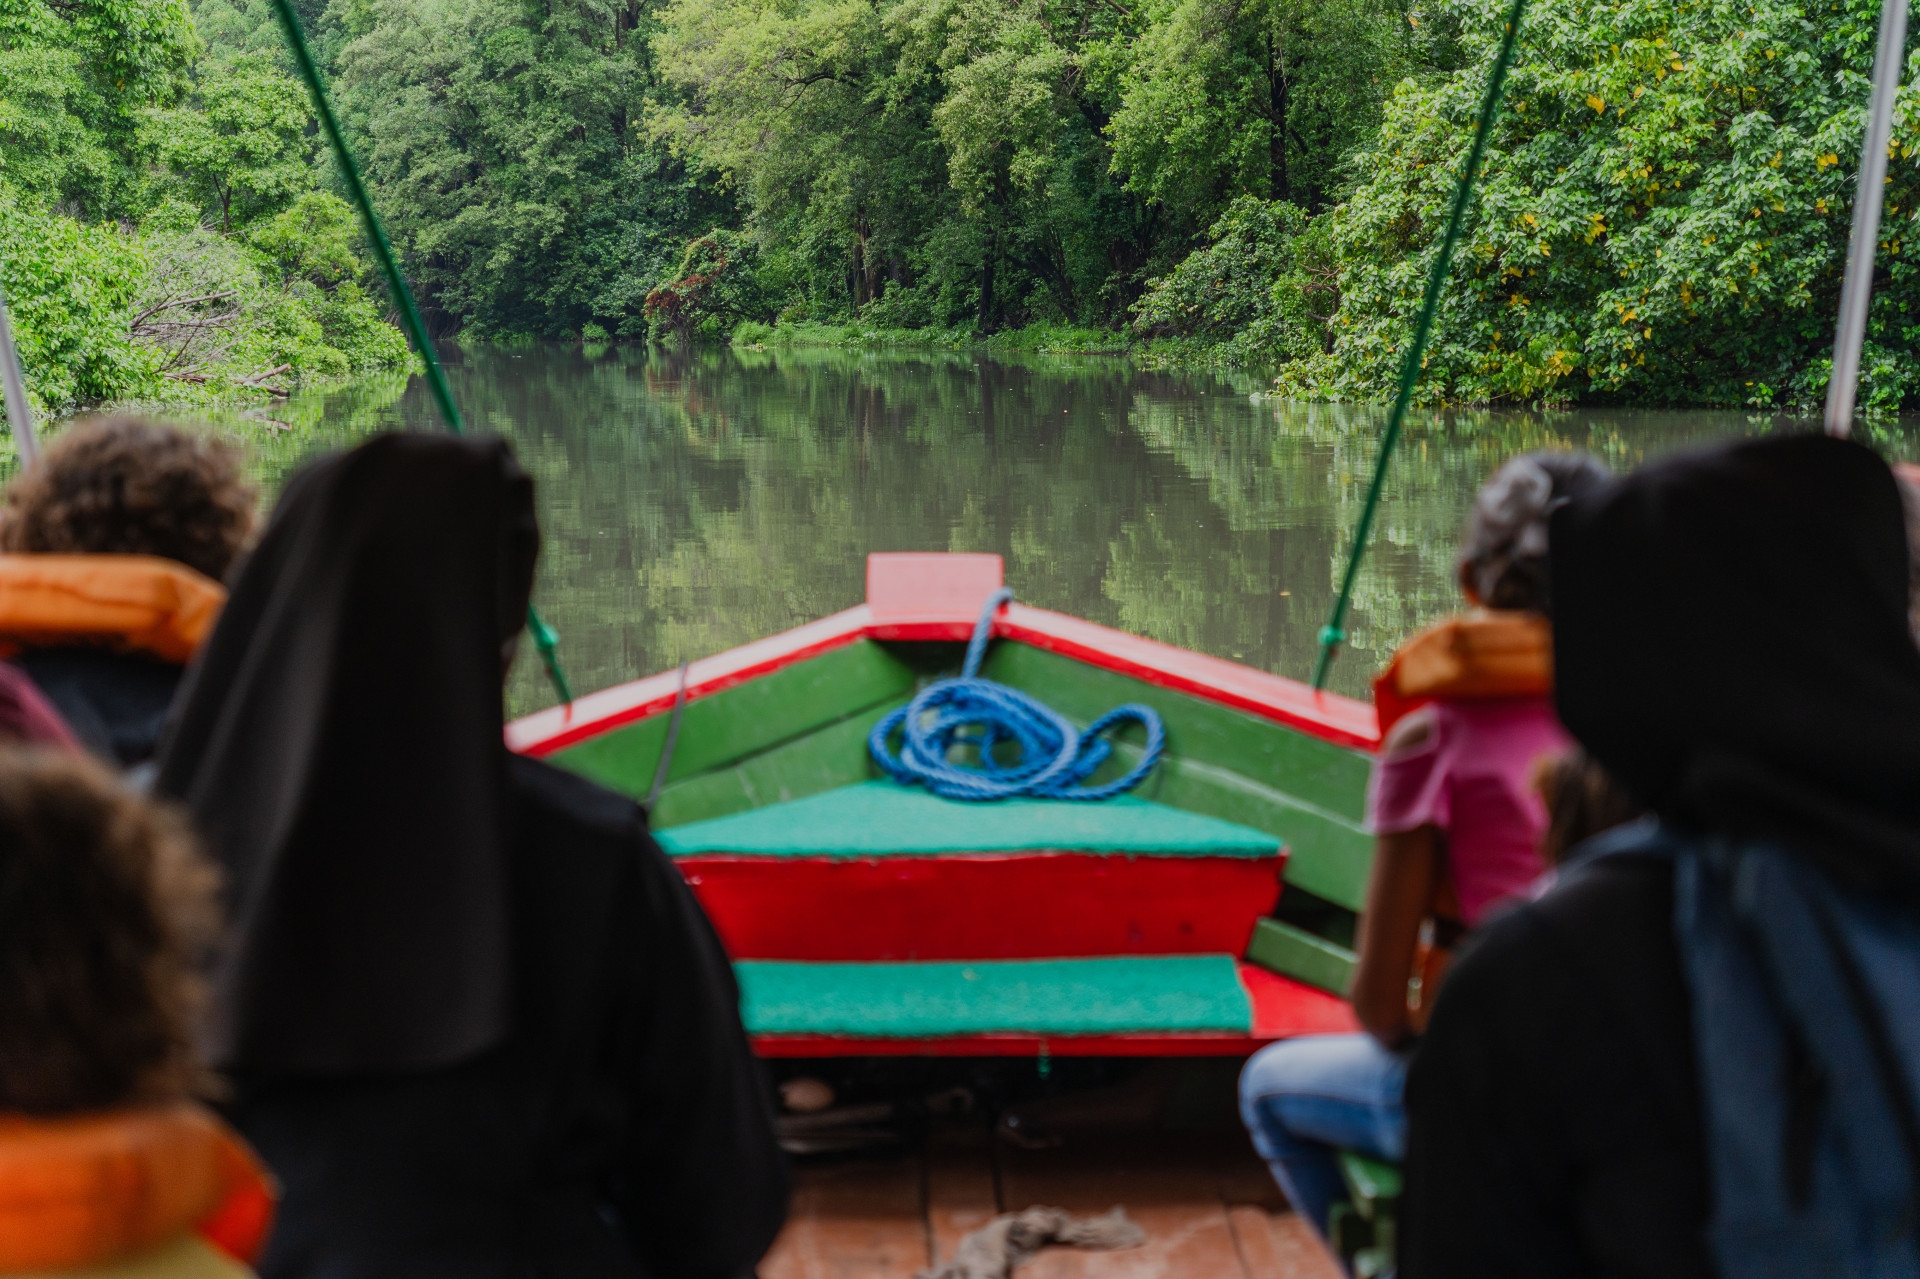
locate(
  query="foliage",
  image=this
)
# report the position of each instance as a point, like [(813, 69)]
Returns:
[(1260, 293), (917, 162), (716, 287), (71, 297), (237, 144), (501, 140), (1263, 97), (1039, 337), (1663, 218), (77, 81), (165, 232)]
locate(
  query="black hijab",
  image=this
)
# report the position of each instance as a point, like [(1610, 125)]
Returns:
[(339, 745), (1731, 641)]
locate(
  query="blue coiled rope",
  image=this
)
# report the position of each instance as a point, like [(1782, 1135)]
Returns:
[(1054, 758)]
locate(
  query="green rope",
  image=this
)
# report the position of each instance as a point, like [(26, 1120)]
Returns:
[(1331, 634), (544, 640)]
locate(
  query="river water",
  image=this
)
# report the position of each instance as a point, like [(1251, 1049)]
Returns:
[(696, 501)]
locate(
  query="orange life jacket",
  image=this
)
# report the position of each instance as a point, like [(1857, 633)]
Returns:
[(1480, 655), (81, 1190), (1474, 656), (130, 603)]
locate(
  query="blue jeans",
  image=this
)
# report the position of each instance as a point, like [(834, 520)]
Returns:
[(1303, 1098)]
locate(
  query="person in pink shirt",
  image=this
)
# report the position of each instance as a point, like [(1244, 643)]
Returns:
[(1467, 712)]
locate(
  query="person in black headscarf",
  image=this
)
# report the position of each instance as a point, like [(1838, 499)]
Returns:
[(1628, 1077), (472, 1016)]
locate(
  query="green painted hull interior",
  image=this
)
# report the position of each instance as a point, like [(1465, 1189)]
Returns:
[(883, 819), (802, 730), (1161, 993)]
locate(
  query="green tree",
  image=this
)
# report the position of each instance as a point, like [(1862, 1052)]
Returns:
[(1221, 98), (78, 79), (237, 146), (501, 143), (71, 289), (926, 161), (804, 109), (717, 286), (1264, 290), (1663, 217)]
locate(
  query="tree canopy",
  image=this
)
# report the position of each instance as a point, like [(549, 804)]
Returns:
[(1662, 219), (165, 230)]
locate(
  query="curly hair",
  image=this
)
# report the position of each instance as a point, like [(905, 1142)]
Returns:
[(1504, 551), (126, 486), (106, 907)]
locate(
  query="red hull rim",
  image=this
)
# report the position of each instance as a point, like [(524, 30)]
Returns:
[(1330, 717)]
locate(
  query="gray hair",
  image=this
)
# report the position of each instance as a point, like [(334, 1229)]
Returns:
[(1504, 552), (1906, 478)]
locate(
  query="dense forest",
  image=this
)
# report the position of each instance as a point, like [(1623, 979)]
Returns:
[(1663, 215)]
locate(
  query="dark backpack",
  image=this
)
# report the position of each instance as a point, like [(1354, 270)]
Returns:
[(1806, 1014)]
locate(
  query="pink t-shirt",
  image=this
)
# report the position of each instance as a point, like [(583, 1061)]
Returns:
[(1473, 779)]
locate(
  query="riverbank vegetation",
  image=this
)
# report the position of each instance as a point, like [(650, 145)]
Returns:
[(164, 230), (1663, 217)]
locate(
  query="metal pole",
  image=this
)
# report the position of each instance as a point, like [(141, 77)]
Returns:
[(19, 412), (1332, 634), (1856, 290)]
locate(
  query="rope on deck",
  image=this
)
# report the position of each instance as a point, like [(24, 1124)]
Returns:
[(1054, 757)]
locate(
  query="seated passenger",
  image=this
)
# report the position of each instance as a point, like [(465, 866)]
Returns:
[(107, 1165), (1695, 1056), (115, 546), (1582, 800), (27, 718), (1467, 712), (470, 1012)]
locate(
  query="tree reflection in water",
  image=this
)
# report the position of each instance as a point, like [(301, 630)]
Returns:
[(694, 501)]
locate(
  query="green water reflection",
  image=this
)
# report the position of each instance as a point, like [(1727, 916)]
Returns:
[(694, 502)]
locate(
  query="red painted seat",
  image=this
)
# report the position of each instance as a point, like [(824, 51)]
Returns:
[(880, 872)]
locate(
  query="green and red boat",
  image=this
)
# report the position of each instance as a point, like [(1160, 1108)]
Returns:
[(1207, 913)]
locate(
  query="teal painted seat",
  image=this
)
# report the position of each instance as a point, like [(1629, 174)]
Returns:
[(883, 819), (1059, 997)]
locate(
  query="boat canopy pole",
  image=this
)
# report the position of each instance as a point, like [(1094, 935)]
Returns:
[(1856, 290), (14, 383), (544, 640), (1332, 634)]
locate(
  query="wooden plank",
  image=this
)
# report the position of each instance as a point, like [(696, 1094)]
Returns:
[(1274, 1241), (1329, 717), (961, 1195), (1225, 1044), (1327, 855), (835, 755), (1280, 1245), (544, 732), (1328, 777), (1168, 1188), (725, 726), (864, 1220), (981, 906), (1301, 955), (905, 588), (1284, 1007)]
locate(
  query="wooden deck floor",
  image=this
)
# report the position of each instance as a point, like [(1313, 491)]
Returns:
[(1208, 1206)]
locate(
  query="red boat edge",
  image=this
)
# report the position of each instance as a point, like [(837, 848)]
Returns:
[(934, 596)]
